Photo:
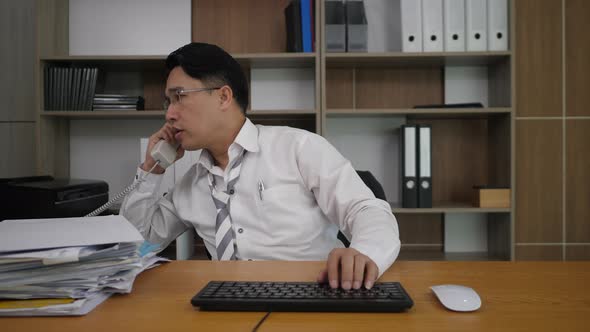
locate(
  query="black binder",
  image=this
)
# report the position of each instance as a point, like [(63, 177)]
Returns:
[(409, 167), (424, 166), (293, 25)]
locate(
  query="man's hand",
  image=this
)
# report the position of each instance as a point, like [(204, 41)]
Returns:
[(346, 268), (165, 133)]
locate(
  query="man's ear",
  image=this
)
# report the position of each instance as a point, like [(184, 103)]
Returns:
[(225, 97)]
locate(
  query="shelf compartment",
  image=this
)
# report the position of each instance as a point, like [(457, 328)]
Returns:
[(257, 27), (468, 152), (381, 86), (423, 237), (146, 75)]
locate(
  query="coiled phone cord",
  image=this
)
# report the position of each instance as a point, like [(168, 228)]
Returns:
[(120, 195)]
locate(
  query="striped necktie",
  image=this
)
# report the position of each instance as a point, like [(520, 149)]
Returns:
[(224, 237)]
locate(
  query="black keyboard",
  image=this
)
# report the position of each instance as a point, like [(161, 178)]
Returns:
[(300, 296)]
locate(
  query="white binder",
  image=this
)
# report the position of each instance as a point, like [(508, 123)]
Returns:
[(409, 166), (432, 25), (454, 25), (497, 25), (425, 166), (411, 25), (476, 24)]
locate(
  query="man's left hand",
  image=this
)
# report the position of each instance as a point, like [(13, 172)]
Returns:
[(347, 267)]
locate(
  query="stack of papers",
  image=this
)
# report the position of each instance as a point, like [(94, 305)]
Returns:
[(67, 266)]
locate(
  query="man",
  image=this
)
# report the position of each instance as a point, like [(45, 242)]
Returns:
[(257, 192)]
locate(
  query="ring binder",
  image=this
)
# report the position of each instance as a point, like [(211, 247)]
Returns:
[(411, 17), (432, 25), (476, 25), (425, 166), (454, 25), (409, 166), (497, 25)]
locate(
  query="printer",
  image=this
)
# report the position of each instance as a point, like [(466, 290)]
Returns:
[(46, 197)]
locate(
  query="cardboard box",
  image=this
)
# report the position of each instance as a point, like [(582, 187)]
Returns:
[(488, 197)]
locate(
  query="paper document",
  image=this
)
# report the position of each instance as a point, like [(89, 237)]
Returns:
[(65, 232), (77, 308), (57, 267)]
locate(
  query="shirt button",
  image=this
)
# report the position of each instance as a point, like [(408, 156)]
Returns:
[(231, 191), (240, 230)]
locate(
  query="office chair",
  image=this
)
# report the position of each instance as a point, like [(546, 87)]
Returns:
[(377, 190), (375, 187)]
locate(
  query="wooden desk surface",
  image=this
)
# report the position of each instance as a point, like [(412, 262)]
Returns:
[(521, 296)]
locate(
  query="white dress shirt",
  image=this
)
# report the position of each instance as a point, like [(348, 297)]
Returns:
[(294, 193)]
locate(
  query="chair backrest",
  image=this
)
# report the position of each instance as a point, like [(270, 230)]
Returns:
[(372, 183), (377, 190)]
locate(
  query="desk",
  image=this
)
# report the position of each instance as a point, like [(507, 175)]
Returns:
[(521, 296)]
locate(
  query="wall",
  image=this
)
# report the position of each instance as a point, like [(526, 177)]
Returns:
[(552, 130), (17, 88)]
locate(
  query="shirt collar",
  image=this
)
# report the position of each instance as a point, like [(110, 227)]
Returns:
[(246, 139)]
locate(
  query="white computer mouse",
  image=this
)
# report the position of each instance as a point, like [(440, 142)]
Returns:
[(457, 298)]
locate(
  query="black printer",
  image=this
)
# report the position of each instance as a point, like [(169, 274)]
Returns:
[(46, 197)]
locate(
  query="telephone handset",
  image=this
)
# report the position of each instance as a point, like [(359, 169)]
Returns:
[(163, 153)]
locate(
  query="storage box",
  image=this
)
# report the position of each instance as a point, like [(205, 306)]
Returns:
[(491, 197)]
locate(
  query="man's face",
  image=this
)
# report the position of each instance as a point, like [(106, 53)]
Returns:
[(195, 115)]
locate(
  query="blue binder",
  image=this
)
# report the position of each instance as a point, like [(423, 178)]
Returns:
[(306, 25)]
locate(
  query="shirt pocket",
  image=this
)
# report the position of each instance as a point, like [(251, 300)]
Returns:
[(288, 213)]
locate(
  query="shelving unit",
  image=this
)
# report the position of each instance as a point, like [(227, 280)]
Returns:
[(471, 146), (263, 49), (354, 86)]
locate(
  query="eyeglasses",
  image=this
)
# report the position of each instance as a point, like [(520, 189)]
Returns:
[(176, 94)]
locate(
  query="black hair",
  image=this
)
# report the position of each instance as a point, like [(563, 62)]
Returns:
[(213, 66)]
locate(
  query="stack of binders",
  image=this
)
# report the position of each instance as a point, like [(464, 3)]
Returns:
[(69, 89), (299, 19), (416, 150), (453, 25), (115, 102), (346, 26)]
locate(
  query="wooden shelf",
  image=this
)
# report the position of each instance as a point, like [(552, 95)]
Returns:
[(448, 208), (160, 114), (407, 254), (259, 60), (104, 114), (94, 58), (402, 59), (279, 112), (417, 111), (262, 60)]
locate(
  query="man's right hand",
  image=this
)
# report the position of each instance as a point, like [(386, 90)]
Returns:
[(165, 133)]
